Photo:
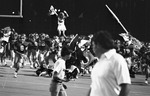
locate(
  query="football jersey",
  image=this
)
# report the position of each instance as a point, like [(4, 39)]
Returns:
[(21, 47)]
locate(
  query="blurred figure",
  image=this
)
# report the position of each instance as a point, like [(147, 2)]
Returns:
[(57, 88), (110, 75), (20, 49), (62, 15), (61, 23), (12, 41), (4, 43)]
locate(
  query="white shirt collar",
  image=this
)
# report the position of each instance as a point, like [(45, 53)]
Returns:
[(109, 53)]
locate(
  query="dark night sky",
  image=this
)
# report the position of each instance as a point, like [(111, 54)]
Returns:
[(86, 16)]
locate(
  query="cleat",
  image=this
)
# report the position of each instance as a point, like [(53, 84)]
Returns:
[(11, 66), (15, 75), (76, 77), (31, 67), (146, 82)]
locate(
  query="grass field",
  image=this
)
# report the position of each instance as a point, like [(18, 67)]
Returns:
[(28, 84)]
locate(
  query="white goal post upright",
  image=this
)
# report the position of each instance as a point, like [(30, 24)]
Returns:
[(20, 12), (21, 5)]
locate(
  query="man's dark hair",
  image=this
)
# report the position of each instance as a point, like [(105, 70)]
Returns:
[(104, 39), (65, 51)]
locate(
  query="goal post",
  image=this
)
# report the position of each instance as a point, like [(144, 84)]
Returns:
[(20, 15)]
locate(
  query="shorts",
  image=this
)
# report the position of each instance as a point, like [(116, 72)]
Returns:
[(19, 59)]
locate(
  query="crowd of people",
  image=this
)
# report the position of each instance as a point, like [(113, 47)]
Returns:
[(40, 49), (110, 62)]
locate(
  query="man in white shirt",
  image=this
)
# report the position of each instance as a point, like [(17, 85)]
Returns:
[(110, 75)]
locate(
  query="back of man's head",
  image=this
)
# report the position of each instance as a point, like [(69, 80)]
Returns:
[(104, 39), (65, 51)]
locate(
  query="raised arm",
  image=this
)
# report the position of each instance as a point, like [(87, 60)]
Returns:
[(66, 14)]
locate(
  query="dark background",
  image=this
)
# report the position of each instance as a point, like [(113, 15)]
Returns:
[(86, 16)]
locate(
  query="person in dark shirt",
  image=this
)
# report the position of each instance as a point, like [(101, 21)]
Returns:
[(20, 49), (43, 49), (33, 50), (42, 46), (146, 65), (12, 41)]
